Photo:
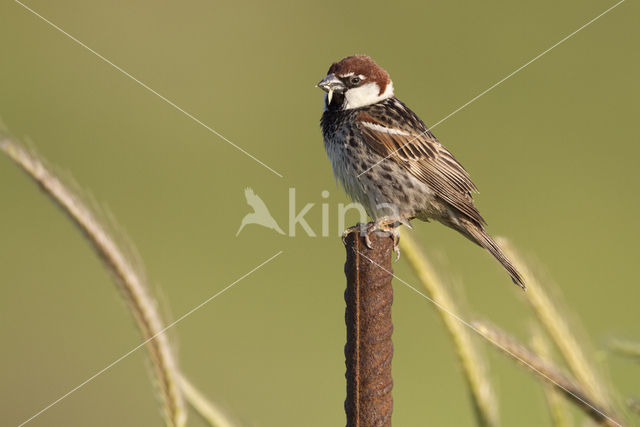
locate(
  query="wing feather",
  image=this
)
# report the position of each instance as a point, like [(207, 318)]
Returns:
[(410, 144)]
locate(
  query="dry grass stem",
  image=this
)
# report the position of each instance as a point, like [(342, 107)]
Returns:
[(131, 279), (560, 415), (472, 362), (626, 348), (205, 408), (559, 330), (546, 371)]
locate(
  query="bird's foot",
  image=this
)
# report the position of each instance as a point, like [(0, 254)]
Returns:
[(390, 225), (384, 225), (358, 228)]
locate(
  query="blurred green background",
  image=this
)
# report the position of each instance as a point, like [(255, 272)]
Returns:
[(554, 151)]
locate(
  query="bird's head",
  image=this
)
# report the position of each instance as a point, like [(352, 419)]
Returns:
[(355, 82)]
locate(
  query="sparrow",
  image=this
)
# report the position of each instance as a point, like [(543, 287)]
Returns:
[(387, 159)]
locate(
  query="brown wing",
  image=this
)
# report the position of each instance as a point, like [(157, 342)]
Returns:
[(407, 141)]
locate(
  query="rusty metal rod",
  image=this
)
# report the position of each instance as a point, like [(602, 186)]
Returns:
[(369, 349)]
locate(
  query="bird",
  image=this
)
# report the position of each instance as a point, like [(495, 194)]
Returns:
[(260, 214), (388, 160)]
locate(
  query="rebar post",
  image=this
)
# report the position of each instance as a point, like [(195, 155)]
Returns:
[(369, 349)]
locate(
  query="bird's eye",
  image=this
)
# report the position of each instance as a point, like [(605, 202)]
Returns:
[(354, 80)]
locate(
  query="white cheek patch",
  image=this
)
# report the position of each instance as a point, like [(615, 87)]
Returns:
[(366, 94)]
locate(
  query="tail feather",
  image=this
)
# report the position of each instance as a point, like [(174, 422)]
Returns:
[(477, 234)]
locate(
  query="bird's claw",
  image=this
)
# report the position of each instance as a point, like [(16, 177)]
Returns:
[(390, 226), (367, 240), (359, 227), (396, 244), (384, 225)]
